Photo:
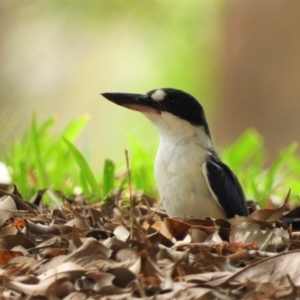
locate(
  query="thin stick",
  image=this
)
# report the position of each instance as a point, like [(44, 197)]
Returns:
[(130, 195)]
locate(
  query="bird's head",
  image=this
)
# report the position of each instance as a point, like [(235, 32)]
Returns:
[(168, 109)]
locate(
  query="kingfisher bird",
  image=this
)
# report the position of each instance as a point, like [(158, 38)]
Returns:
[(191, 178)]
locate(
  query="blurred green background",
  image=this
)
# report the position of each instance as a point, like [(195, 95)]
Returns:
[(239, 58), (58, 56)]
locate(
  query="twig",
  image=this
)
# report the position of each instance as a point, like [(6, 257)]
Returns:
[(158, 206), (130, 196)]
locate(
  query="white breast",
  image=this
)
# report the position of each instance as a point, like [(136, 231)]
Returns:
[(178, 170)]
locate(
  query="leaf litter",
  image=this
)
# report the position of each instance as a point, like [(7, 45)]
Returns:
[(132, 250)]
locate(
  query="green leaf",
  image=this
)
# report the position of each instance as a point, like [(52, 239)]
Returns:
[(84, 168)]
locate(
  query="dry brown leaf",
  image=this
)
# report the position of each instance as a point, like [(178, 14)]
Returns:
[(11, 270), (156, 237), (123, 276), (7, 208), (90, 248), (172, 255), (220, 262), (150, 284), (53, 242), (126, 254), (248, 232), (239, 257), (270, 215), (272, 269), (94, 281), (9, 241), (197, 235), (40, 229), (18, 223), (177, 228), (6, 255), (237, 247), (162, 228), (200, 293), (175, 258), (66, 271), (214, 238), (183, 270), (201, 278), (76, 296), (63, 229), (121, 233), (71, 209), (149, 267), (9, 231), (79, 222), (50, 253), (76, 238), (136, 267), (112, 291), (20, 203), (97, 234), (199, 222)]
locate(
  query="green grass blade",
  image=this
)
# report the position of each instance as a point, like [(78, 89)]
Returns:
[(44, 127), (74, 127), (40, 164), (244, 150), (141, 162), (278, 165), (84, 184), (108, 177), (84, 168), (22, 180)]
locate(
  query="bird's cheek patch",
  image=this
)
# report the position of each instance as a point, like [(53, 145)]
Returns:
[(142, 108), (158, 95)]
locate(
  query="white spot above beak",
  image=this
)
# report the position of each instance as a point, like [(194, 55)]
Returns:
[(158, 95)]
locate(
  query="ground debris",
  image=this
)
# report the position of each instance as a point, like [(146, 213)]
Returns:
[(81, 251)]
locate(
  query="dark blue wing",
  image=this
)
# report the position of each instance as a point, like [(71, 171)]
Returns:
[(227, 189)]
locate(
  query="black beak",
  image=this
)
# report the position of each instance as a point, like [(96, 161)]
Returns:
[(139, 102)]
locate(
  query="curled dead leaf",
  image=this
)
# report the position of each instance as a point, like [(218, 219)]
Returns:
[(271, 215), (177, 228)]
